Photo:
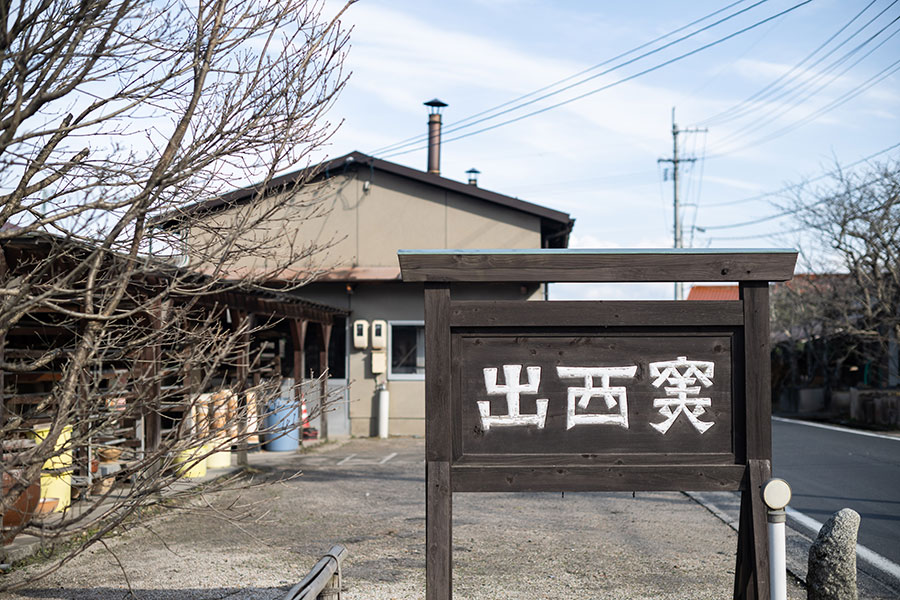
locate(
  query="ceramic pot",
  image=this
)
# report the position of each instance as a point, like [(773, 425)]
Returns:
[(23, 509)]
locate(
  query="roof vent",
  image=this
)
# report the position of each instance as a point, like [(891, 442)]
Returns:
[(434, 135), (473, 176)]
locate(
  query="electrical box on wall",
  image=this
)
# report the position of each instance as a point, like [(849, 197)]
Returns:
[(360, 334), (379, 362), (379, 335)]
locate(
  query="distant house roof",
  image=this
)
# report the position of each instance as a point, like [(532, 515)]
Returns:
[(555, 225), (714, 292)]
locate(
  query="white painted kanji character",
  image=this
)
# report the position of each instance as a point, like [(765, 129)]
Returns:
[(682, 374), (613, 395), (512, 389)]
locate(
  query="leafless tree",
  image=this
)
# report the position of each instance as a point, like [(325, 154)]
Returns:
[(849, 303), (115, 115)]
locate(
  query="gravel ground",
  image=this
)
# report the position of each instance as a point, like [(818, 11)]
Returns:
[(369, 496)]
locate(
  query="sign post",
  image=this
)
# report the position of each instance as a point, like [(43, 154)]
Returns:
[(597, 396)]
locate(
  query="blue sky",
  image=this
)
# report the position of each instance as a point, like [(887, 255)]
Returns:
[(596, 157)]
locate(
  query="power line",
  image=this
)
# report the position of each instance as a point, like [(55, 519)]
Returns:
[(759, 220), (451, 129), (754, 237), (797, 94), (726, 115), (457, 125), (788, 212), (840, 101), (778, 112), (795, 186), (699, 190), (615, 83), (395, 150)]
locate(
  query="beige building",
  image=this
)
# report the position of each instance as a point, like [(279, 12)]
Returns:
[(359, 211)]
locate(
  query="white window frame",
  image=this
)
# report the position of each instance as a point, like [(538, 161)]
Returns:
[(390, 363)]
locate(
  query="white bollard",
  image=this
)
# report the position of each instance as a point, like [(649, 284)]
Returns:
[(384, 411), (777, 558), (776, 494)]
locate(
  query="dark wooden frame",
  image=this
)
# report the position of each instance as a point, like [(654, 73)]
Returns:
[(750, 466)]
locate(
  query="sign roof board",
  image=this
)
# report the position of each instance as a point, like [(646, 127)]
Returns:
[(584, 265)]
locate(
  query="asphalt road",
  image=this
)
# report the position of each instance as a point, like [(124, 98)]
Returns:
[(830, 469)]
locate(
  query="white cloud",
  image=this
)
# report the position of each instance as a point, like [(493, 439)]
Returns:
[(594, 158)]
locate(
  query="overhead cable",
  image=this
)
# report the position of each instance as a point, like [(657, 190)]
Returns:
[(806, 182), (785, 213), (799, 99), (729, 113), (615, 83), (394, 149), (422, 137)]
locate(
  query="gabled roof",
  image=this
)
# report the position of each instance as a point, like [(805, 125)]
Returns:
[(555, 225), (714, 292)]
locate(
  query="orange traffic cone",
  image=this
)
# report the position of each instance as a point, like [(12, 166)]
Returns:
[(308, 433)]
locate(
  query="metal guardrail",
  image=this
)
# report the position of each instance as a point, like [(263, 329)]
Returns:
[(324, 580)]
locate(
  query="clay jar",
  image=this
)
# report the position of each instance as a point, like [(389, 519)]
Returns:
[(23, 509)]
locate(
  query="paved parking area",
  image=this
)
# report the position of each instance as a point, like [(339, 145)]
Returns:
[(369, 496), (356, 459)]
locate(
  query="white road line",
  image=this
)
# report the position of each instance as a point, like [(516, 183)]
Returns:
[(838, 428), (876, 560), (387, 458), (346, 459)]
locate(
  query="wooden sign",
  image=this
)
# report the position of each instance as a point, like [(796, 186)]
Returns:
[(597, 396)]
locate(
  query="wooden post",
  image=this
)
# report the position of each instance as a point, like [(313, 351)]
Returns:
[(438, 448), (332, 589), (751, 576), (325, 331), (298, 341), (244, 322), (2, 382), (152, 393), (3, 273)]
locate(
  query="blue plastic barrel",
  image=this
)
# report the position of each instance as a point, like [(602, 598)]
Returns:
[(281, 418)]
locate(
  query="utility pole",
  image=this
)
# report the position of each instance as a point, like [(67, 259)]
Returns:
[(676, 223)]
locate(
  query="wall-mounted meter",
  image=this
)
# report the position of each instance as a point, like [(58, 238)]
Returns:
[(379, 335), (360, 334), (379, 362)]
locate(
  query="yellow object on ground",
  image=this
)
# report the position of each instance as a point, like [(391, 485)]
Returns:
[(57, 484), (219, 460), (190, 467), (64, 459), (56, 478)]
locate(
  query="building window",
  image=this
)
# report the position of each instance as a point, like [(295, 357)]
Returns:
[(337, 349), (406, 346)]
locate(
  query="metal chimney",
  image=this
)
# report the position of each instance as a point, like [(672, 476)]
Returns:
[(473, 176), (434, 135)]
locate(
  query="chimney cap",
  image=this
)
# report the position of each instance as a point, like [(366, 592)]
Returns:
[(473, 171), (435, 105), (473, 176)]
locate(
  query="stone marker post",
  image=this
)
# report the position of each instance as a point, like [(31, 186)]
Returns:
[(832, 559)]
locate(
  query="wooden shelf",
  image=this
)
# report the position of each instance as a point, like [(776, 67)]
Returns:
[(35, 398)]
